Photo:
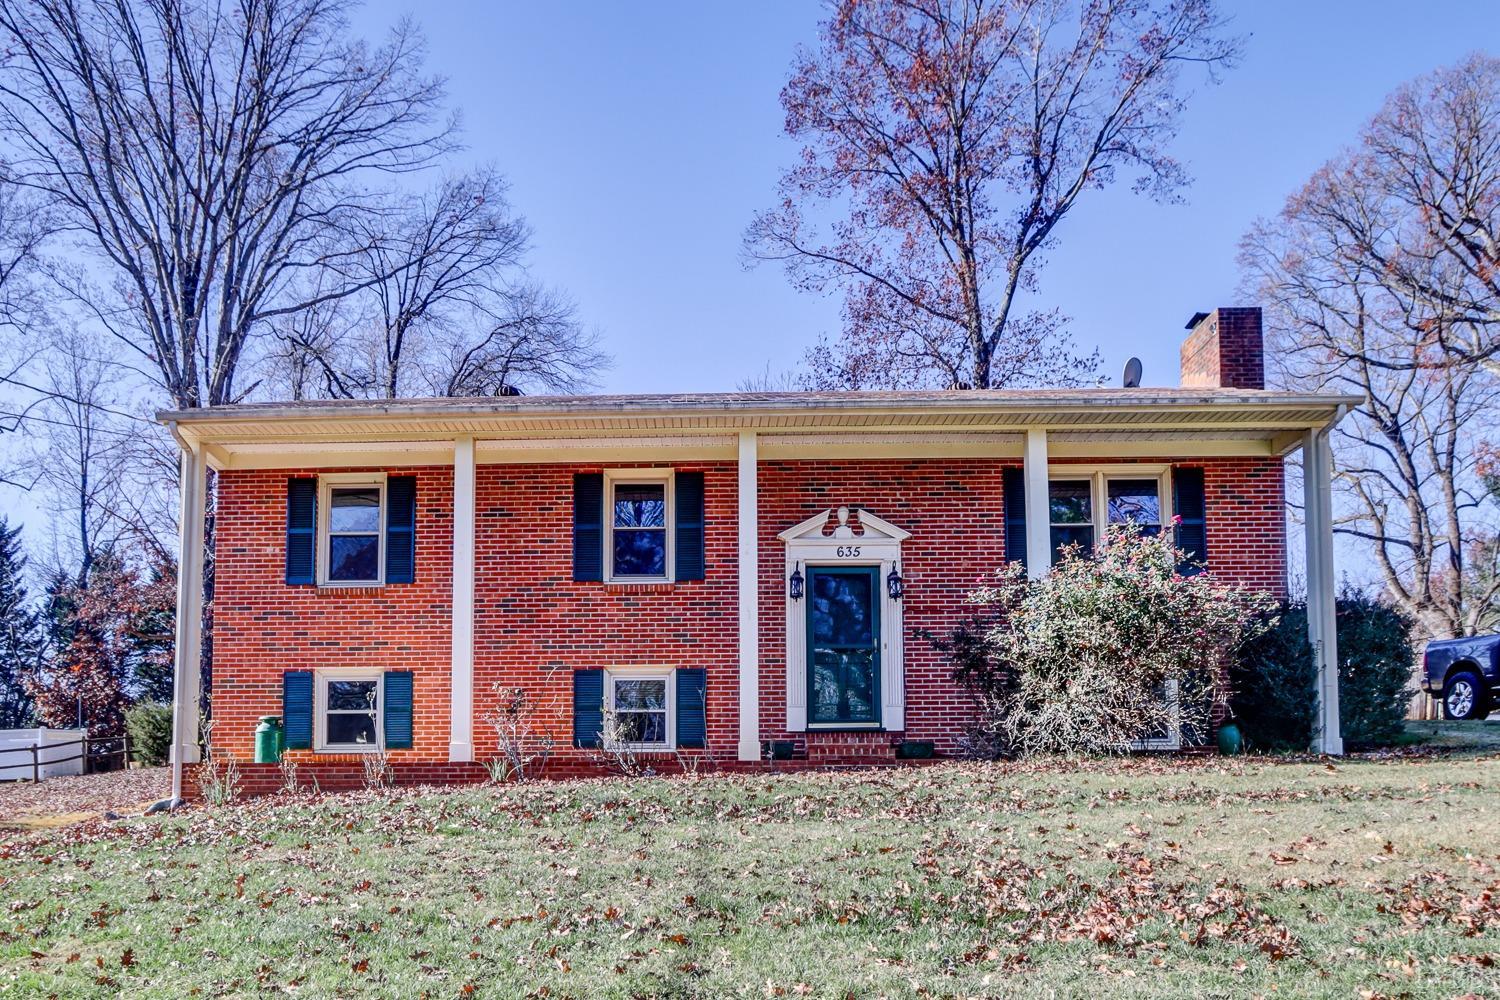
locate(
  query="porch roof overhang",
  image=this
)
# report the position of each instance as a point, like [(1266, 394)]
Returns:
[(705, 426)]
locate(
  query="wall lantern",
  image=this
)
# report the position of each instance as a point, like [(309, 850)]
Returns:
[(894, 585), (794, 585)]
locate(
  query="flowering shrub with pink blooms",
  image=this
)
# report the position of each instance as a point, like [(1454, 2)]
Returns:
[(1110, 648)]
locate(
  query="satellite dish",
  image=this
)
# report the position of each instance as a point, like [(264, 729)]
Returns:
[(1132, 377)]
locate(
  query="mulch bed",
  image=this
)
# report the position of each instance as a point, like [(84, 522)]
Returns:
[(77, 797)]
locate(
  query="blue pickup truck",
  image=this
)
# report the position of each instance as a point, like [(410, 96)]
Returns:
[(1464, 673)]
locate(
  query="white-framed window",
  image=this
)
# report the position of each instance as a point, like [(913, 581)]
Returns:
[(1083, 503), (347, 707), (638, 526), (351, 529), (641, 703)]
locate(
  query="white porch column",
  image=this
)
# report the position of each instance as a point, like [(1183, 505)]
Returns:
[(749, 597), (461, 696), (188, 652), (1322, 623), (1038, 509)]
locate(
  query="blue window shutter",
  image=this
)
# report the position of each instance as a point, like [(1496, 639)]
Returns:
[(400, 529), (297, 708), (692, 728), (588, 707), (1192, 512), (688, 488), (1013, 481), (301, 530), (396, 709), (588, 526)]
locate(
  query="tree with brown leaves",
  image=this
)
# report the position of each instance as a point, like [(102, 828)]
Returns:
[(948, 140), (113, 640)]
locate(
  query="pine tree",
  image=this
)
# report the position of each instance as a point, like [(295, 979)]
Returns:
[(20, 633), (152, 638)]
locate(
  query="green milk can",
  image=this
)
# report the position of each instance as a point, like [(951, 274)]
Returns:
[(270, 740)]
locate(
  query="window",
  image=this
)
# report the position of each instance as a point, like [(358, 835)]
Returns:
[(348, 712), (353, 529), (1135, 501), (1084, 506), (1071, 504), (638, 521), (640, 702)]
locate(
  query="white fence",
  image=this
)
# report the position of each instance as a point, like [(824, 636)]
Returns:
[(38, 754)]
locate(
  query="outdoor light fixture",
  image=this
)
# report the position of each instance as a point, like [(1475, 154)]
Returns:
[(894, 585), (794, 585)]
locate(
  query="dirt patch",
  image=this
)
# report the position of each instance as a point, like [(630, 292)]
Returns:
[(65, 800)]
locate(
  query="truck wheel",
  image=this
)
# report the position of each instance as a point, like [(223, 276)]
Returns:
[(1463, 696)]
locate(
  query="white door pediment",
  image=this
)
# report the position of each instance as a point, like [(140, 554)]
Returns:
[(846, 537), (817, 528)]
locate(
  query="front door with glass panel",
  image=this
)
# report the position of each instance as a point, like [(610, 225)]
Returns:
[(843, 645)]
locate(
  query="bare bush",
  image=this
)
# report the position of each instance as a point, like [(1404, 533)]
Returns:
[(377, 768), (525, 745)]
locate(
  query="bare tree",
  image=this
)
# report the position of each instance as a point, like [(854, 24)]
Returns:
[(444, 307), (532, 342), (25, 224), (1380, 275), (953, 137), (202, 153), (26, 221), (770, 380), (82, 449)]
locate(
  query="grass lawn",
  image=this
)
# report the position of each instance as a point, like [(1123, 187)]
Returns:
[(1147, 877)]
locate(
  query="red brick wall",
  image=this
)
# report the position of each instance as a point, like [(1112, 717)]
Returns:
[(1225, 350), (263, 627), (1245, 499), (534, 625), (954, 511)]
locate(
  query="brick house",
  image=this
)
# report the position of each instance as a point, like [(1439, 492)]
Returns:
[(718, 573)]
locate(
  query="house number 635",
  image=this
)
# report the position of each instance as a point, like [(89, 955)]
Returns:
[(848, 551)]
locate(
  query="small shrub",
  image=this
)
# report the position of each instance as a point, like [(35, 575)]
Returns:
[(617, 748), (1375, 664), (219, 782), (1274, 685), (377, 768), (289, 784), (525, 745), (1082, 660), (149, 724), (1275, 680)]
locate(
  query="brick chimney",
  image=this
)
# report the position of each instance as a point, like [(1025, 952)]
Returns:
[(1224, 350)]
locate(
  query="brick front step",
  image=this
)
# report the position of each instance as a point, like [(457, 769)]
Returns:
[(856, 748)]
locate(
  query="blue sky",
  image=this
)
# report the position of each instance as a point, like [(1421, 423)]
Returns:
[(640, 138)]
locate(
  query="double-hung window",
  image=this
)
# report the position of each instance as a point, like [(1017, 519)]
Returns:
[(1084, 505), (348, 711), (638, 523), (640, 704), (352, 527), (1071, 506)]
